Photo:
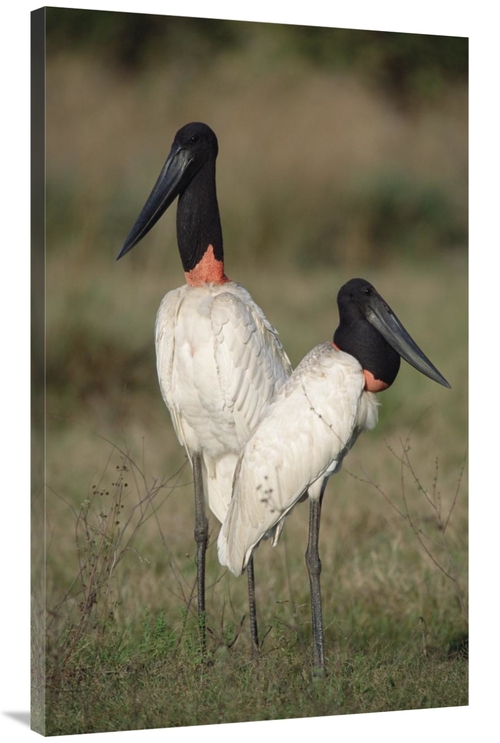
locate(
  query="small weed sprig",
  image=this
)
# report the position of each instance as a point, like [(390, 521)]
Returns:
[(106, 525), (98, 537), (432, 547)]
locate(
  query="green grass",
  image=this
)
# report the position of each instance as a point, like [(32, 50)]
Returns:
[(118, 609), (115, 685)]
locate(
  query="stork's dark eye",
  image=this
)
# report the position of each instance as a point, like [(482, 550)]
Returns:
[(367, 290), (194, 139)]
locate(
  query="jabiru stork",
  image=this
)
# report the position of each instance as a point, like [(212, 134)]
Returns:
[(310, 426), (219, 360)]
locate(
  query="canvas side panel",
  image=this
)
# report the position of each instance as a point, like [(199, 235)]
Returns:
[(38, 370)]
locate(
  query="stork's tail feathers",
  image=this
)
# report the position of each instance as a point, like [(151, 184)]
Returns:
[(226, 555), (222, 548), (235, 555)]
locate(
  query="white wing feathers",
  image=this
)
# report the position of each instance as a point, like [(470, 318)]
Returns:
[(303, 436), (165, 343), (251, 363), (219, 363)]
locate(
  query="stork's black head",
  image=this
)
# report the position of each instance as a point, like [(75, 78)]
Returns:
[(199, 140), (370, 331), (194, 146)]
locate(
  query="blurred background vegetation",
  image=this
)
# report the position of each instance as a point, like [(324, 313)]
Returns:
[(367, 128), (341, 153)]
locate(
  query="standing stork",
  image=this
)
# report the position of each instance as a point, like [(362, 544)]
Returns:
[(219, 360), (312, 423)]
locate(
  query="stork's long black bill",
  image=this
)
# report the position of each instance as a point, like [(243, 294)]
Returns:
[(380, 315), (168, 186)]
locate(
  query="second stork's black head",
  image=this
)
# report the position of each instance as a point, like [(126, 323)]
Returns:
[(370, 331), (189, 172)]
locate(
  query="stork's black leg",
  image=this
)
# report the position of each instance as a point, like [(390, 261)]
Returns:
[(201, 537), (313, 563), (253, 610)]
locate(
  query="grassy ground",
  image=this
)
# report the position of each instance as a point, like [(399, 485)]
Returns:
[(120, 622), (103, 693)]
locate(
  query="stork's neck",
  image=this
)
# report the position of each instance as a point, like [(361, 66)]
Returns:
[(207, 271), (379, 360), (199, 232)]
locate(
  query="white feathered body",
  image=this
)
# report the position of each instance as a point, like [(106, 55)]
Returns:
[(303, 436), (219, 364)]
